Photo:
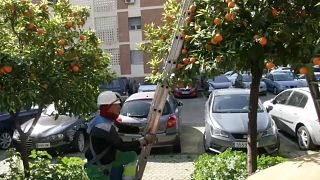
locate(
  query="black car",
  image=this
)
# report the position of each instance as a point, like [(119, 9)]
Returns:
[(7, 126), (51, 133), (119, 85)]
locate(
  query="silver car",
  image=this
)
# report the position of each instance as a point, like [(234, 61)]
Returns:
[(135, 111), (226, 122)]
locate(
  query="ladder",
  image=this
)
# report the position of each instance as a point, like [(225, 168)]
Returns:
[(314, 91), (162, 90)]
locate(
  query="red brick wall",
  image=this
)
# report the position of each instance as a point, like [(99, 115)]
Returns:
[(123, 26), (125, 62), (149, 16), (146, 3)]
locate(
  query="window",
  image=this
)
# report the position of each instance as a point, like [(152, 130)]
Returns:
[(115, 56), (136, 57), (298, 99), (220, 79), (107, 29), (282, 98), (140, 108), (135, 23), (104, 5)]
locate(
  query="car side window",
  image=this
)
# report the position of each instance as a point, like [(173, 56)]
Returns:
[(298, 100), (282, 98)]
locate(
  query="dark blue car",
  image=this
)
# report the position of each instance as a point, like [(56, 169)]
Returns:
[(7, 126), (119, 85)]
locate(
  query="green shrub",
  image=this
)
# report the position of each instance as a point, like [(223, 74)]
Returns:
[(228, 165), (42, 167)]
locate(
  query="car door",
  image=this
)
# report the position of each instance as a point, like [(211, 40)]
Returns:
[(293, 110), (268, 81), (278, 105)]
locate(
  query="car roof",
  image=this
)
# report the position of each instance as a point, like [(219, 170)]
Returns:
[(141, 95), (231, 91), (277, 73)]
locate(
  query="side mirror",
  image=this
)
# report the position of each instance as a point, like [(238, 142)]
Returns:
[(269, 108), (179, 103)]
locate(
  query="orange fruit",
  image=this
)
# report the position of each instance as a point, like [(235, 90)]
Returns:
[(168, 18), (75, 68), (186, 60), (192, 60), (69, 24), (217, 21), (316, 61), (231, 4), (40, 31), (82, 37), (62, 42), (188, 20), (7, 69), (60, 52), (263, 41), (214, 41), (218, 37), (229, 16), (184, 51), (270, 65), (227, 1), (180, 66), (45, 85), (274, 12), (31, 27), (303, 70), (209, 47), (193, 8)]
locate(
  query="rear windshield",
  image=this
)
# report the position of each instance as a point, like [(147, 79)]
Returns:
[(282, 77), (246, 78), (234, 103), (221, 79), (113, 84), (140, 108)]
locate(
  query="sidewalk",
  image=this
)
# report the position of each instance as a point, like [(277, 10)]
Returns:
[(302, 168)]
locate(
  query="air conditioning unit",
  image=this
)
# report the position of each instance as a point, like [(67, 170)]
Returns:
[(129, 1)]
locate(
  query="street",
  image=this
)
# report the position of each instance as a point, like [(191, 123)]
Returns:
[(192, 117)]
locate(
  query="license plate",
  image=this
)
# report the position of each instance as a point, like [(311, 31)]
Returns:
[(240, 144), (43, 145), (184, 92)]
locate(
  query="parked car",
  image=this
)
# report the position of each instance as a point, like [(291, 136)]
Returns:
[(7, 126), (135, 111), (277, 82), (245, 80), (185, 91), (226, 122), (117, 85), (294, 112), (49, 132), (219, 82), (303, 81), (282, 70), (232, 77), (147, 87)]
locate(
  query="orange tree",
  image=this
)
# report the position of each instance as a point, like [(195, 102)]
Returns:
[(238, 34), (47, 57)]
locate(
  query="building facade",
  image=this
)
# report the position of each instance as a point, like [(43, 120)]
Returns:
[(119, 24)]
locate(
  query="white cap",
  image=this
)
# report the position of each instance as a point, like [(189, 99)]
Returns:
[(108, 97)]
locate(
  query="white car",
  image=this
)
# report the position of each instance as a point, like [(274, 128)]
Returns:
[(293, 111)]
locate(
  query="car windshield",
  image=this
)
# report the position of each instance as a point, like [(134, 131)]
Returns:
[(219, 79), (114, 84), (140, 108), (282, 77), (232, 103), (246, 78)]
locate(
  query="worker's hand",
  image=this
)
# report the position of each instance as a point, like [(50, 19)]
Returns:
[(148, 139)]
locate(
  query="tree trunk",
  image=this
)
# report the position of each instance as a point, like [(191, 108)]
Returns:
[(252, 126), (23, 136)]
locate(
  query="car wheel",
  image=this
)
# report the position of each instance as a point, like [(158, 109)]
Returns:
[(79, 141), (304, 139), (177, 146), (5, 140), (275, 92), (205, 146)]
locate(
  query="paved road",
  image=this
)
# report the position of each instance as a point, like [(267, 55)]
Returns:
[(163, 164)]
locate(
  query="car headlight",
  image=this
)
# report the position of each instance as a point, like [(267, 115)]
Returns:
[(55, 137), (218, 132), (270, 131)]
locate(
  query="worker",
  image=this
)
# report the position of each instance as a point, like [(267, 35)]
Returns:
[(107, 152)]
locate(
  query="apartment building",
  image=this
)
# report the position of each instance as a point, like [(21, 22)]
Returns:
[(119, 24)]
